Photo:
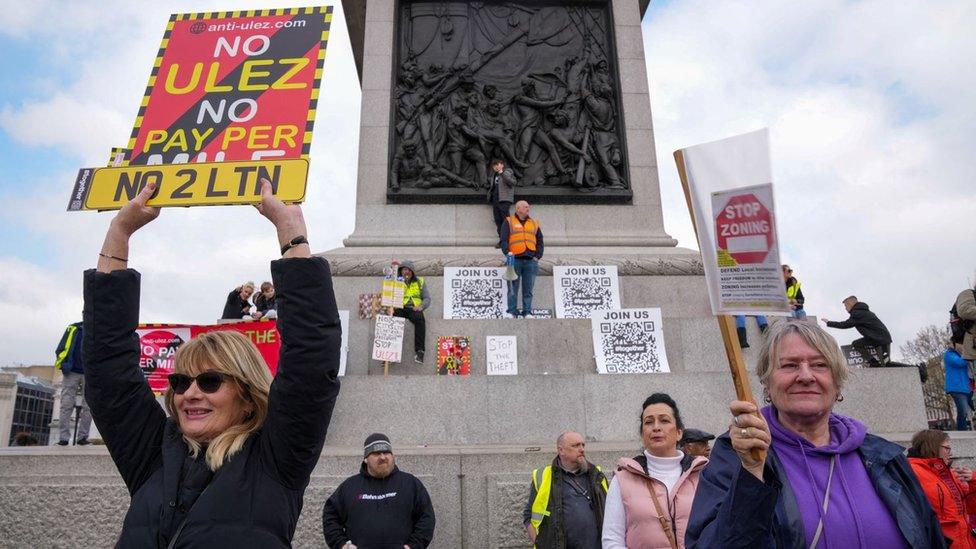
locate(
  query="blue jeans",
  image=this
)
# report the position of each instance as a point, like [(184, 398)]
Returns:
[(740, 321), (527, 269), (963, 410)]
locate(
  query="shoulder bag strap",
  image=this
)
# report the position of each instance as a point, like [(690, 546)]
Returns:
[(662, 517), (826, 500)]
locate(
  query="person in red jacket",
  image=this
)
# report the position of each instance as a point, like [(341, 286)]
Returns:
[(930, 456)]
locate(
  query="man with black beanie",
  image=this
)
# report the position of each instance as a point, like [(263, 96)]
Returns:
[(382, 506)]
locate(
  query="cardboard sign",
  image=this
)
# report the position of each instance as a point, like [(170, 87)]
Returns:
[(629, 341), (474, 292), (453, 355), (226, 87), (369, 306), (731, 197), (388, 338), (189, 184), (582, 290), (502, 355), (158, 344)]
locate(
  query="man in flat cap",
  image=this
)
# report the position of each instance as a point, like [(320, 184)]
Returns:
[(695, 442), (382, 506)]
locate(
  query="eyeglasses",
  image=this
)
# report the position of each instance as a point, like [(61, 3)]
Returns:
[(208, 382), (946, 447)]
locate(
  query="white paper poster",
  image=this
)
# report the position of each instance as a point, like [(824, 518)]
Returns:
[(388, 338), (732, 198), (629, 341), (585, 289), (474, 292), (502, 355), (344, 346)]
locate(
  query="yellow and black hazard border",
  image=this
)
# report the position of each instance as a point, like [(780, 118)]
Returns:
[(325, 11)]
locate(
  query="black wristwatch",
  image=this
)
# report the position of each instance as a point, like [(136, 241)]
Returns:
[(300, 239)]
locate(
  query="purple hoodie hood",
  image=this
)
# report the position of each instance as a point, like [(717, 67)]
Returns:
[(846, 434)]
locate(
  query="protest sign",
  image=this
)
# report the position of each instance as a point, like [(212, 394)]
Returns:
[(502, 355), (629, 341), (585, 289), (856, 359), (344, 346), (225, 87), (474, 292), (453, 355), (729, 191), (392, 292), (388, 338), (542, 313), (158, 344), (369, 305)]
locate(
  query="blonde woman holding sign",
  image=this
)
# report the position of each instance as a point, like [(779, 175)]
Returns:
[(824, 481), (230, 465)]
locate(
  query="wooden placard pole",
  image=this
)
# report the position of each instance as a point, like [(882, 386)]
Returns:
[(726, 324)]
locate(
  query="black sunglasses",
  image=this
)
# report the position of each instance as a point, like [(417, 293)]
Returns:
[(208, 382)]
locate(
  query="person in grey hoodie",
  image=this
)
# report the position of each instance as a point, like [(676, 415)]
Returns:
[(501, 193), (416, 298), (821, 481)]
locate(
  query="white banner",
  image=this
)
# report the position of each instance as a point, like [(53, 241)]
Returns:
[(388, 338), (474, 292), (344, 346), (732, 198), (629, 341), (585, 289), (502, 355)]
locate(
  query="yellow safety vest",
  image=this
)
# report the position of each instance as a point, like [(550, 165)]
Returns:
[(412, 291), (791, 291), (543, 487), (72, 329), (521, 235)]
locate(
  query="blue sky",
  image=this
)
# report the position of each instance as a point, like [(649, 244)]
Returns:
[(869, 109)]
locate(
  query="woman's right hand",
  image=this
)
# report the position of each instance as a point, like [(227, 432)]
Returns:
[(749, 433), (132, 217)]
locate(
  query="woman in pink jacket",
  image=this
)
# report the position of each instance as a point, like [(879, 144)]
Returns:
[(632, 520)]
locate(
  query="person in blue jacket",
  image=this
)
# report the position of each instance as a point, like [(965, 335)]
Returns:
[(957, 383), (820, 480)]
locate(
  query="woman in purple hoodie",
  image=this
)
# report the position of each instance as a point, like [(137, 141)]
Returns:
[(825, 482)]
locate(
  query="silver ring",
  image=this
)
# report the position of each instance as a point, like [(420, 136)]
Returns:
[(735, 419), (744, 433)]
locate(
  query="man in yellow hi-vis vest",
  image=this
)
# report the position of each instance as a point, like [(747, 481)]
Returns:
[(69, 360), (566, 499), (416, 298)]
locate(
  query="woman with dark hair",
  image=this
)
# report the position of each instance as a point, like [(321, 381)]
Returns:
[(931, 457), (822, 481), (631, 518), (229, 466)]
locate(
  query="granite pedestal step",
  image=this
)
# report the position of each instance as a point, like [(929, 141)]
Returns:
[(524, 409), (478, 491)]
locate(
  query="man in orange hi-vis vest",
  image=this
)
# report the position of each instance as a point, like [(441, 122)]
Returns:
[(521, 239)]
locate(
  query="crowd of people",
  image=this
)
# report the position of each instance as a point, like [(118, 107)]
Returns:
[(788, 473)]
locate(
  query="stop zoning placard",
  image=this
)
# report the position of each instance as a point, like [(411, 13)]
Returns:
[(744, 229)]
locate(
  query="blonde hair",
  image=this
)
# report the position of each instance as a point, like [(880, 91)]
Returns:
[(814, 336), (234, 355)]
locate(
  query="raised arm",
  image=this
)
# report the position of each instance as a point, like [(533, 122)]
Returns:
[(305, 388), (127, 415)]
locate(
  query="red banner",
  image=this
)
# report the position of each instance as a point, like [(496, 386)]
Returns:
[(158, 344)]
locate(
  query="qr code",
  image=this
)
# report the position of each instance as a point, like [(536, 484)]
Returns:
[(629, 347), (582, 296), (477, 298)]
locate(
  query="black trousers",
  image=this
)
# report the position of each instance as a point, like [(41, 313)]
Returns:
[(419, 326), (865, 345), (500, 211)]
